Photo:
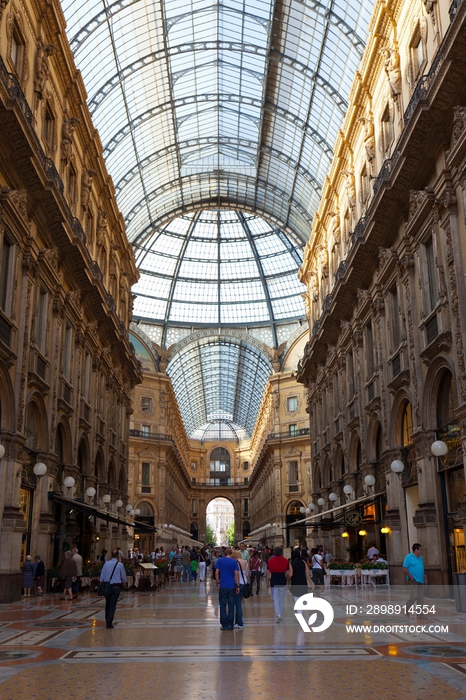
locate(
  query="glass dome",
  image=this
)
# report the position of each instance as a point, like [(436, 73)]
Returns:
[(219, 267)]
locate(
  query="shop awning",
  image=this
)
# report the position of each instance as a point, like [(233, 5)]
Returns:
[(346, 506), (98, 512)]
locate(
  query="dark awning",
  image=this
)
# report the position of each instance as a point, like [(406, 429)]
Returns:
[(98, 512)]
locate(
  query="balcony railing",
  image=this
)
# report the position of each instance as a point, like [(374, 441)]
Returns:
[(149, 436), (216, 482)]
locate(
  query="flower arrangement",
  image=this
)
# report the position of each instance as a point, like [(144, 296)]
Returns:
[(340, 566), (371, 566), (92, 570), (163, 566)]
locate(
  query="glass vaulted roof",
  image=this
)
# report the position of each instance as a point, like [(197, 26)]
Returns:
[(218, 267), (219, 383), (217, 103)]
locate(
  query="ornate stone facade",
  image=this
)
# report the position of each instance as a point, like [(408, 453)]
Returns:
[(67, 369), (386, 350)]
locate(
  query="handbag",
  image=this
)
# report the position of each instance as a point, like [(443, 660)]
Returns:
[(105, 587), (246, 590)]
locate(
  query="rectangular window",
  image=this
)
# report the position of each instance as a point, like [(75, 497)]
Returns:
[(66, 354), (292, 403), (350, 374), (72, 183), (431, 274), (387, 129), (324, 409), (49, 124), (41, 321), (293, 429), (86, 375), (370, 350), (146, 404), (89, 226), (245, 466), (293, 472), (336, 394), (194, 506), (417, 53), (17, 49), (4, 273), (145, 477), (245, 506), (145, 430), (396, 320), (364, 184)]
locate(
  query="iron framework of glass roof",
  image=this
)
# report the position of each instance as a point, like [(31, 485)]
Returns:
[(219, 383), (219, 268), (228, 103)]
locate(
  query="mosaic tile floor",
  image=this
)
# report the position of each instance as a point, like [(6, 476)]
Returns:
[(168, 645)]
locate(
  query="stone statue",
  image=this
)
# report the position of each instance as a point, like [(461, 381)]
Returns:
[(67, 136), (369, 138), (393, 71), (3, 4), (86, 186), (102, 225), (275, 354), (314, 288), (164, 354), (44, 51), (350, 188), (323, 261)]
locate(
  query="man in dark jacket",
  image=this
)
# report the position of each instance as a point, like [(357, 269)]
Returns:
[(40, 575)]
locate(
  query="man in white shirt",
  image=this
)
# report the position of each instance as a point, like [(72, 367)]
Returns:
[(75, 586), (371, 551)]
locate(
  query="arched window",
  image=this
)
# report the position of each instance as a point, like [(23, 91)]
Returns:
[(407, 424), (219, 467), (31, 431), (220, 460), (194, 530), (445, 405), (318, 480), (378, 443), (246, 529), (147, 513), (146, 509), (293, 508), (111, 474), (358, 456)]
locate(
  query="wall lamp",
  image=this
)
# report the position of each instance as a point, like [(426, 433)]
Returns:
[(348, 491)]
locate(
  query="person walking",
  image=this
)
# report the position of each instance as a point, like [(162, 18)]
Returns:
[(243, 579), (413, 566), (227, 577), (194, 568), (76, 585), (186, 561), (39, 575), (68, 571), (28, 569), (299, 574), (255, 566), (277, 568), (202, 564), (114, 572), (318, 572), (177, 563)]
